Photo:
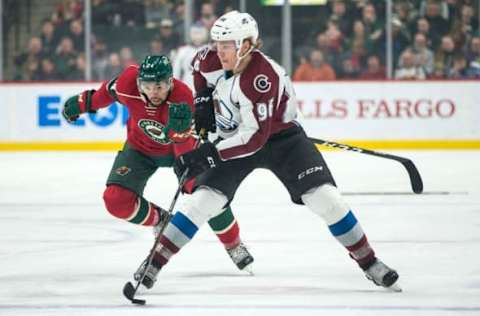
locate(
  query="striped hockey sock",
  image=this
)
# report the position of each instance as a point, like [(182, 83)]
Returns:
[(145, 213), (226, 228), (350, 234), (177, 234)]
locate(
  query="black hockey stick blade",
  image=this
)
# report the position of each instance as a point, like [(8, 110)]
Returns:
[(415, 178), (129, 292)]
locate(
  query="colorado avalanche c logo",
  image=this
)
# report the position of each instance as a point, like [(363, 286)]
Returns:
[(261, 83)]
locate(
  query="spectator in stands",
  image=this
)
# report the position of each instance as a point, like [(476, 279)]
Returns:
[(126, 57), (408, 70), (359, 36), (373, 26), (156, 47), (473, 51), (207, 15), (169, 39), (48, 37), (178, 18), (132, 13), (99, 59), (423, 27), (347, 71), (403, 11), (316, 69), (74, 9), (459, 68), (28, 62), (339, 14), (468, 18), (401, 39), (473, 70), (422, 54), (438, 23), (440, 7), (103, 12), (445, 55), (48, 71), (65, 58), (463, 27), (353, 61), (335, 37), (114, 67), (322, 44), (77, 35), (156, 11), (374, 71), (80, 66)]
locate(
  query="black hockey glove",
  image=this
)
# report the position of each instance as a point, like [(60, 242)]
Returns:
[(197, 161), (204, 111)]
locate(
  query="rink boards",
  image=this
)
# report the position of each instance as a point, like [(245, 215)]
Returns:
[(378, 115)]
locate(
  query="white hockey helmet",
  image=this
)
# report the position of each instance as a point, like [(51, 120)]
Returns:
[(235, 26)]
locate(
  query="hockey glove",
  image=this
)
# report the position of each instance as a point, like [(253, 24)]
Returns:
[(74, 105), (204, 111), (197, 161), (179, 117)]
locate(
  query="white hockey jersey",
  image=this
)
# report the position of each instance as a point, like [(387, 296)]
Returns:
[(250, 106)]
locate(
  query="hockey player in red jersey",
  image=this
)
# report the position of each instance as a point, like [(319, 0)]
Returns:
[(249, 100), (158, 130)]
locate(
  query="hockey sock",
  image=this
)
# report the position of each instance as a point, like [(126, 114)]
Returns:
[(226, 228), (350, 234), (327, 202), (127, 205), (145, 213), (177, 234)]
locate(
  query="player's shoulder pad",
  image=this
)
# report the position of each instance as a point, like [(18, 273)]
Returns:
[(206, 60), (127, 81), (181, 93), (259, 79)]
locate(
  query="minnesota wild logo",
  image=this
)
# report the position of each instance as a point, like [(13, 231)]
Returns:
[(154, 130), (123, 170)]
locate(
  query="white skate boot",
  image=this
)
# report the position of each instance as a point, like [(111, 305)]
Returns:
[(382, 275), (150, 276)]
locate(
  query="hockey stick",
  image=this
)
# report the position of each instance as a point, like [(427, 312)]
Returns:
[(415, 178), (128, 289)]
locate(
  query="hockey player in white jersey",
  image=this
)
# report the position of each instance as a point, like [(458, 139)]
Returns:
[(250, 99)]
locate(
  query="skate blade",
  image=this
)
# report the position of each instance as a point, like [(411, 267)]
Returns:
[(249, 270), (395, 288)]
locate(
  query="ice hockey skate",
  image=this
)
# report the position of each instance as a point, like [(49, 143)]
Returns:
[(382, 275), (150, 276), (164, 218), (241, 257)]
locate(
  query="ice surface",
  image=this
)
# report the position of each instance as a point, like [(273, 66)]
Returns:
[(61, 253)]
